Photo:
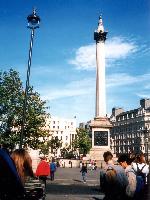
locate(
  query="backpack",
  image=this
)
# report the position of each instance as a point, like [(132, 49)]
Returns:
[(140, 179), (110, 183)]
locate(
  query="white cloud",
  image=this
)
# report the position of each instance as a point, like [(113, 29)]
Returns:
[(143, 96), (85, 57), (120, 79), (72, 89), (86, 86), (116, 48)]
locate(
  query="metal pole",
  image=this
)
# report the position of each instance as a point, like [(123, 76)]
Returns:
[(147, 151), (26, 89)]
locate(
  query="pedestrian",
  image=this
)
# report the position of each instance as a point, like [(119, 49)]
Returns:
[(125, 161), (43, 170), (52, 169), (90, 165), (80, 165), (140, 163), (33, 187), (95, 166), (141, 169), (84, 172), (113, 180)]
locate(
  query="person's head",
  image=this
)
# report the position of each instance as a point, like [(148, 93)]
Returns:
[(140, 158), (124, 160), (42, 158), (107, 156), (23, 163)]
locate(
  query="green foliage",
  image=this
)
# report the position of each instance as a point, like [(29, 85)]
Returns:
[(11, 111), (51, 145), (82, 141), (55, 144), (68, 153)]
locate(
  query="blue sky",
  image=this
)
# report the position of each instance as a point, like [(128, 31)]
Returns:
[(63, 62)]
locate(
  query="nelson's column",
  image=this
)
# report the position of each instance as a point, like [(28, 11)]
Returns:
[(100, 126)]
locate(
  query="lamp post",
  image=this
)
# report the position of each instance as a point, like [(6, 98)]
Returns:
[(146, 148), (33, 23)]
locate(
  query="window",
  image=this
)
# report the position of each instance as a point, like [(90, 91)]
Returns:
[(66, 137)]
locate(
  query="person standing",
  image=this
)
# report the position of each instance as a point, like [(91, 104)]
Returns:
[(125, 162), (141, 169), (113, 180), (52, 169), (84, 172), (43, 170), (140, 163)]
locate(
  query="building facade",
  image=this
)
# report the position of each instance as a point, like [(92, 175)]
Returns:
[(63, 129), (131, 129)]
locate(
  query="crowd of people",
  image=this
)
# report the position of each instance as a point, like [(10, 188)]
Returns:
[(17, 179), (126, 180)]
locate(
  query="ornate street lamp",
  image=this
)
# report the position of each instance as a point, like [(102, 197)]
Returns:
[(33, 23)]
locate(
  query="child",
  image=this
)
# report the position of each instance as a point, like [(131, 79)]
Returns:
[(83, 171)]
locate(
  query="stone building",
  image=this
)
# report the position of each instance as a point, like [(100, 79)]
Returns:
[(62, 128), (131, 129)]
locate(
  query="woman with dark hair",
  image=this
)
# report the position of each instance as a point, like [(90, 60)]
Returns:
[(33, 188), (23, 164), (140, 164)]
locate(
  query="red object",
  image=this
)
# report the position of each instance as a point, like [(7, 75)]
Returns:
[(43, 169)]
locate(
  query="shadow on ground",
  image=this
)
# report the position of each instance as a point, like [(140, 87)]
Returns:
[(72, 189)]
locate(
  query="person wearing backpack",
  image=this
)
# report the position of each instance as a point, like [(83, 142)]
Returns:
[(141, 170), (113, 180), (125, 162)]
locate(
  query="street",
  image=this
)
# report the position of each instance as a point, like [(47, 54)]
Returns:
[(68, 185)]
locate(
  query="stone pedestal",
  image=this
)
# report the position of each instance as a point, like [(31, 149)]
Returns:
[(100, 137)]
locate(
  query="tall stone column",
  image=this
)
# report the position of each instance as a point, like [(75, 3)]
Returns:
[(101, 125), (100, 37)]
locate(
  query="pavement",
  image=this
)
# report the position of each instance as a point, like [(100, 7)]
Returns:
[(68, 185)]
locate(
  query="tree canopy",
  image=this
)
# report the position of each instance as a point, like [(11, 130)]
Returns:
[(11, 111), (82, 141)]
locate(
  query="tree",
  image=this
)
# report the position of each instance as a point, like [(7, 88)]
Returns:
[(51, 145), (68, 153), (55, 144), (11, 111), (82, 141)]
